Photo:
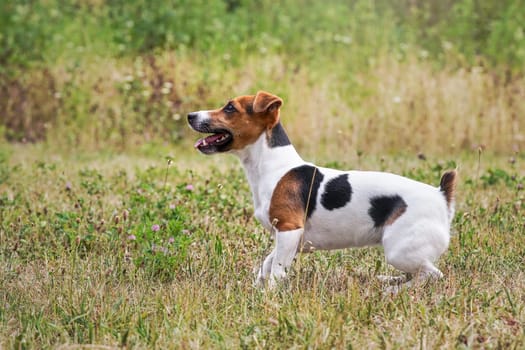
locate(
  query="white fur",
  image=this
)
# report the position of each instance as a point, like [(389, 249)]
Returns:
[(286, 246)]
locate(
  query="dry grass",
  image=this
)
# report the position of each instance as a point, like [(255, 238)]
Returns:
[(410, 106), (394, 106), (99, 251), (90, 291)]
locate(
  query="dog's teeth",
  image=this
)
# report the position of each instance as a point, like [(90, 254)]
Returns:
[(204, 143)]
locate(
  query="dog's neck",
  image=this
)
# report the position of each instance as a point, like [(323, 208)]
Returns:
[(271, 152), (265, 162)]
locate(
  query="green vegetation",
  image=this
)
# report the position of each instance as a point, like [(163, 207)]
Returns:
[(98, 74), (41, 31), (122, 251), (114, 232)]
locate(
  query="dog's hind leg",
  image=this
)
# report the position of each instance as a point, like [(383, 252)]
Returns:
[(287, 243), (414, 248)]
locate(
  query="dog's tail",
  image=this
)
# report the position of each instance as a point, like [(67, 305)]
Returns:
[(447, 186)]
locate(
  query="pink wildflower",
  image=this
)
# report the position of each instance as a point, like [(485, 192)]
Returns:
[(132, 237), (189, 187), (155, 228)]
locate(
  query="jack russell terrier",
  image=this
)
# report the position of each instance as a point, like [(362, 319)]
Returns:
[(310, 207)]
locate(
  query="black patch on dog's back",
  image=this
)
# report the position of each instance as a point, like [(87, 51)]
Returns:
[(309, 177), (278, 137), (337, 193), (384, 208)]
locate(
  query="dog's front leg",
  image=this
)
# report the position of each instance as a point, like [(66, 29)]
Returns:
[(285, 250), (264, 270)]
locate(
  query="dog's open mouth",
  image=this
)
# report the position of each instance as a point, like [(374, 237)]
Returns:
[(214, 142)]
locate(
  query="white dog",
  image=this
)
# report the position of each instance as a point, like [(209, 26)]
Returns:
[(310, 207)]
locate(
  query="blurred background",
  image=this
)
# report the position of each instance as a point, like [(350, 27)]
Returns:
[(380, 76)]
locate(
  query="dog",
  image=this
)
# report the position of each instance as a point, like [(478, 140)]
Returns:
[(310, 207)]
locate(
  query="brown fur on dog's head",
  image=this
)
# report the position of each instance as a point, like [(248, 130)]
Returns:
[(245, 118)]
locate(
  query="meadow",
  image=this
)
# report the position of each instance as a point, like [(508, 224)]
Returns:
[(116, 233), (103, 251)]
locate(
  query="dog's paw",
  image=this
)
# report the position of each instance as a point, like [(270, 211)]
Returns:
[(259, 282), (392, 280), (393, 290), (273, 283), (260, 278)]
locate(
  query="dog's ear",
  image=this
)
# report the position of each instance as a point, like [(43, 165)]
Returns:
[(266, 102)]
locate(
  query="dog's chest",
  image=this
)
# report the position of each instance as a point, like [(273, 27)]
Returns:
[(262, 194), (264, 167)]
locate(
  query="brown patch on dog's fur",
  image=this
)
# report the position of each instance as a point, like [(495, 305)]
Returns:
[(255, 115), (398, 211), (286, 207), (448, 185)]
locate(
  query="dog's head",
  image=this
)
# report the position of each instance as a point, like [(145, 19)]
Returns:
[(239, 123)]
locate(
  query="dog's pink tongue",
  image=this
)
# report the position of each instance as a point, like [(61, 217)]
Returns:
[(198, 143), (207, 140)]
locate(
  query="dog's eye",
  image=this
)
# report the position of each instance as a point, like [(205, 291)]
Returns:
[(229, 108)]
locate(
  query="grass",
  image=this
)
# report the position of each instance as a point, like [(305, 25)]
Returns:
[(442, 75), (115, 233), (83, 264), (123, 103)]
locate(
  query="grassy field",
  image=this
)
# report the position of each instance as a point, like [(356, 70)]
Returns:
[(115, 233), (112, 250)]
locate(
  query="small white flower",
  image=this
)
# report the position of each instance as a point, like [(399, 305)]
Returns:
[(396, 99), (447, 45), (346, 39)]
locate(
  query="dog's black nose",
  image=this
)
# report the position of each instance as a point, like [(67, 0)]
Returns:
[(191, 117)]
